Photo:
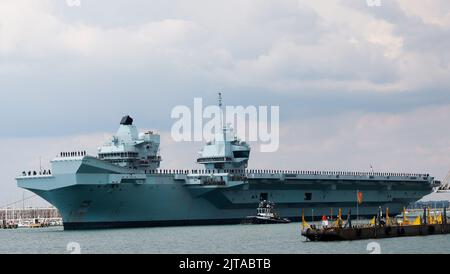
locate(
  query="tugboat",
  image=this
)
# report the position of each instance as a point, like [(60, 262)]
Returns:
[(265, 214)]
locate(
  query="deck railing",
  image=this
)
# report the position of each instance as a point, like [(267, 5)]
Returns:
[(285, 172), (247, 172)]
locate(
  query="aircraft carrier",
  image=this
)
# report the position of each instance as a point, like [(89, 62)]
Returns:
[(124, 186)]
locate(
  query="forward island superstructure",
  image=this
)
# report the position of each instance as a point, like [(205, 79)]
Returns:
[(123, 186)]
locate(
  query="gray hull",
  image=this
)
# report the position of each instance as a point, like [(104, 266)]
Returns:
[(90, 193)]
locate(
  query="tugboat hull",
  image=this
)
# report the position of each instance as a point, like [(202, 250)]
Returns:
[(258, 220)]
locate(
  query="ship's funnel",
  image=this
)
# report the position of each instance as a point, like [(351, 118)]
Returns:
[(127, 132), (126, 121)]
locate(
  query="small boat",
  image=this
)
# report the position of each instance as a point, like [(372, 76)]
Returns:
[(23, 224), (8, 224), (265, 214), (36, 223)]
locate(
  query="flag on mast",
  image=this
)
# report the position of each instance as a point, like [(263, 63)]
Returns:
[(360, 197)]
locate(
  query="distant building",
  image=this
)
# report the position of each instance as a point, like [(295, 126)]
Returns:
[(29, 213)]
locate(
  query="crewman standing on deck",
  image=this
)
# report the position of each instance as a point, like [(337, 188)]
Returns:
[(324, 221)]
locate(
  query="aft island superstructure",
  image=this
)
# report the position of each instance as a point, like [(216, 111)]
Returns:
[(123, 186)]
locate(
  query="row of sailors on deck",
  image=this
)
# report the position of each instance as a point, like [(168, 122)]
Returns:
[(73, 154), (345, 173), (192, 171), (35, 173), (266, 171)]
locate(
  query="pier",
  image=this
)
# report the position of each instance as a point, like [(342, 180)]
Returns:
[(32, 217), (428, 223)]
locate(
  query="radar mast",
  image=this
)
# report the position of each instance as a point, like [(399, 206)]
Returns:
[(226, 152)]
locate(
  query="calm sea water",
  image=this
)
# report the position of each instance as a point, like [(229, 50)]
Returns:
[(227, 239)]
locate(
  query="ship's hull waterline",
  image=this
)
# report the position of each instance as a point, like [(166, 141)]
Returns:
[(90, 193)]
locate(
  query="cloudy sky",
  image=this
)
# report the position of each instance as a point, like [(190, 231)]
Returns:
[(357, 84)]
